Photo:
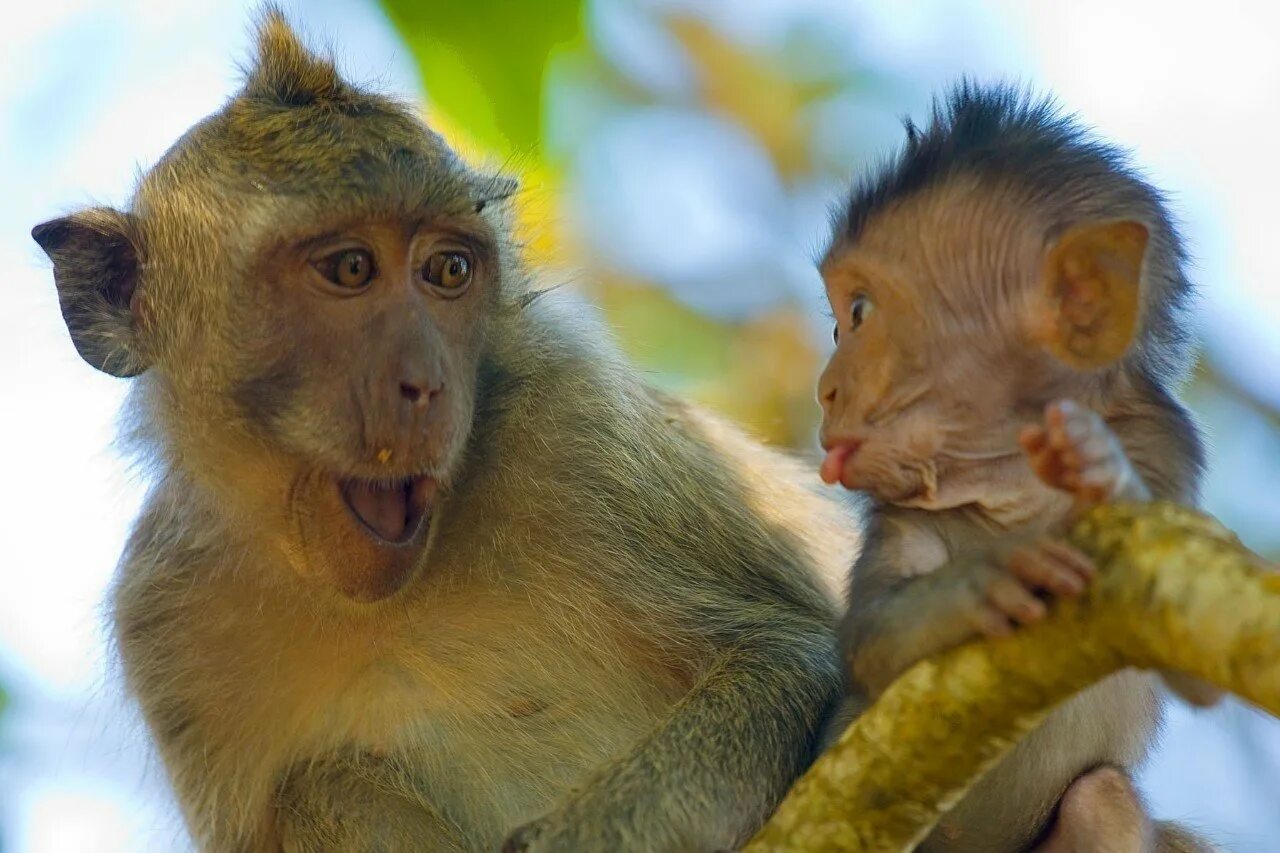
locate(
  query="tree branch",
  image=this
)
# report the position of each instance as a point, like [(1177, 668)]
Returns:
[(1175, 590)]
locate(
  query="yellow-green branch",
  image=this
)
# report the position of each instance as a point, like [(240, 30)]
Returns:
[(1175, 590)]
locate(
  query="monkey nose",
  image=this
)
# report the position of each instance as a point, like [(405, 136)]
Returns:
[(827, 390), (418, 393)]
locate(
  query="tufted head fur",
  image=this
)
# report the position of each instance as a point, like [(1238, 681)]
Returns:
[(1002, 142)]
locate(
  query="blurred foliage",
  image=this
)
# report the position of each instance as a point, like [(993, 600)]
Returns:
[(485, 61), (486, 65), (756, 92), (757, 372)]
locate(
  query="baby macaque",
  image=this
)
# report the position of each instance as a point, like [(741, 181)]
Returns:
[(1007, 289)]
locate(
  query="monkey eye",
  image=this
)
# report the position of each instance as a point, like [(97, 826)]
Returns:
[(448, 271), (349, 268), (859, 311)]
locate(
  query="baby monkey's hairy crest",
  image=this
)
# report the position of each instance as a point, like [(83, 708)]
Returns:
[(1010, 308)]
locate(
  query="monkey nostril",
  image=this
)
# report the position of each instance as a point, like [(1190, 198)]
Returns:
[(412, 393), (419, 394)]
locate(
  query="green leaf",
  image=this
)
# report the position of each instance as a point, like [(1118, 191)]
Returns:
[(484, 62)]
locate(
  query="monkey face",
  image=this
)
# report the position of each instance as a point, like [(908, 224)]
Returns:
[(958, 314), (878, 393), (366, 341), (922, 383), (305, 279)]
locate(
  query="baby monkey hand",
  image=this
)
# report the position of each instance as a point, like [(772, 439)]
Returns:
[(1012, 588), (1074, 450)]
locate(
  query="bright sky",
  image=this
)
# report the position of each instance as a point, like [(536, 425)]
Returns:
[(90, 90)]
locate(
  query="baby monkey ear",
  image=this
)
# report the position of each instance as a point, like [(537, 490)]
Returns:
[(95, 268), (1092, 281)]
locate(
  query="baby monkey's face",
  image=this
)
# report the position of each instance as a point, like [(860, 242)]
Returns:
[(930, 300), (957, 317), (914, 390)]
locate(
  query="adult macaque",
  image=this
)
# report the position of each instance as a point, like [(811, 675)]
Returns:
[(424, 566), (1007, 279)]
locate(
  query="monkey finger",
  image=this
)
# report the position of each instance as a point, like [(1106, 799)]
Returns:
[(990, 622), (1043, 570), (1103, 479), (1055, 428), (1033, 439), (1014, 600), (1077, 420), (1068, 479), (1094, 491), (1069, 456), (1096, 446), (1070, 557)]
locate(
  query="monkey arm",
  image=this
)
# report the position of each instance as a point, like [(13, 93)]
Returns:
[(908, 620), (910, 598), (355, 805), (1175, 590), (719, 761)]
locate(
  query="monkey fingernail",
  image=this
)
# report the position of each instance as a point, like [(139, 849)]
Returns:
[(1066, 583), (992, 623), (1031, 612)]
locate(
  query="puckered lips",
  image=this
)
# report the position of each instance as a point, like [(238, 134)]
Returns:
[(391, 513)]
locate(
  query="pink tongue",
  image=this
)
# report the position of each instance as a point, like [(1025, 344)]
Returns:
[(833, 463), (383, 508)]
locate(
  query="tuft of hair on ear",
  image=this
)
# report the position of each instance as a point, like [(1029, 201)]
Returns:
[(494, 189), (285, 70), (529, 298)]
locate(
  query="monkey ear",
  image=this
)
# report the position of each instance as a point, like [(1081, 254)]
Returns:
[(1093, 282), (95, 268)]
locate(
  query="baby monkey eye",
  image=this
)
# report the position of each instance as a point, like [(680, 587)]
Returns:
[(448, 271), (349, 268), (859, 311)]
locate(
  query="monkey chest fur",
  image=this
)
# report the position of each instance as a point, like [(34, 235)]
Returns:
[(485, 707)]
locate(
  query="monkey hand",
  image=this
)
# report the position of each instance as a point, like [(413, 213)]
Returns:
[(592, 820), (525, 839), (557, 831), (1075, 451), (1012, 587)]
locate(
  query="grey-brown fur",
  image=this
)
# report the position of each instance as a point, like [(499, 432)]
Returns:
[(621, 631), (963, 217)]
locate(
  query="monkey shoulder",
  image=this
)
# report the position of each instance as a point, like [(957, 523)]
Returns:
[(906, 542)]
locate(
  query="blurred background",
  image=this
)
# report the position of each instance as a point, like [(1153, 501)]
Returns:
[(679, 159)]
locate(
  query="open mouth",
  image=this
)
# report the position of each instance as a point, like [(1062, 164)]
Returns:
[(393, 512)]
